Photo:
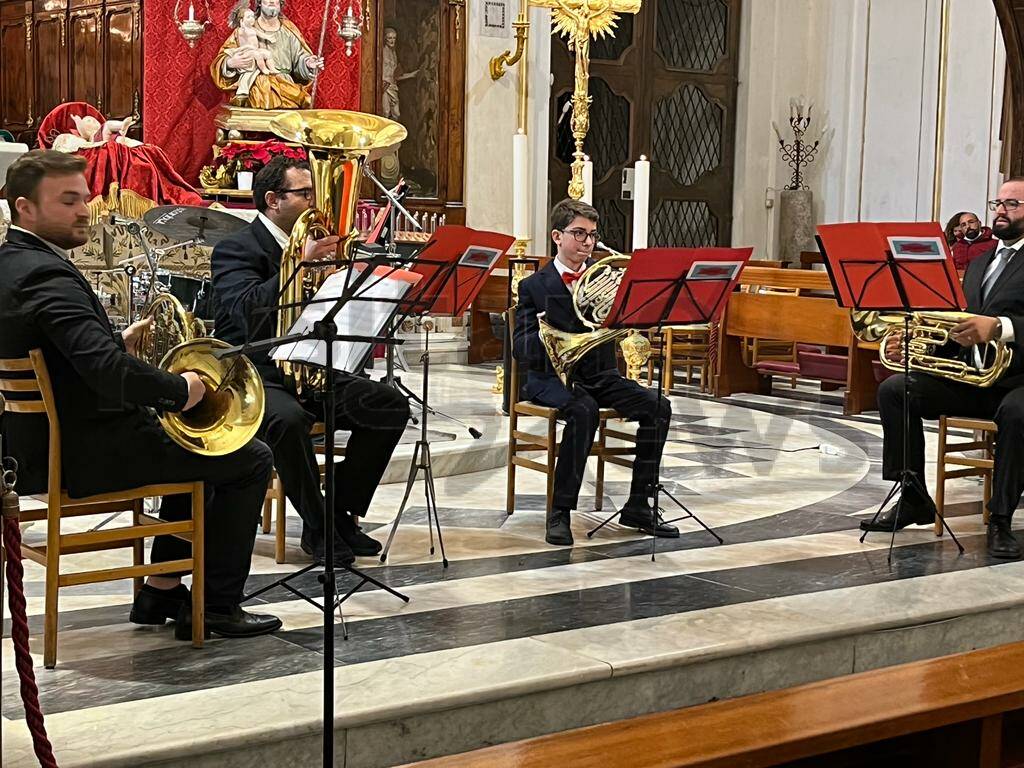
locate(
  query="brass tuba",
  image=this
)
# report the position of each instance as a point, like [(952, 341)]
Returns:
[(592, 297), (231, 411), (337, 143), (929, 331)]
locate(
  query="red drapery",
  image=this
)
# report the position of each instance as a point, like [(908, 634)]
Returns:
[(179, 99)]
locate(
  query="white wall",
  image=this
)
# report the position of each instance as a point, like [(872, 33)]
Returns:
[(872, 66), (491, 122)]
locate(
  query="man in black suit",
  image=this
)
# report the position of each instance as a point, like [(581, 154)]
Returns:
[(994, 287), (111, 440), (595, 381), (246, 277)]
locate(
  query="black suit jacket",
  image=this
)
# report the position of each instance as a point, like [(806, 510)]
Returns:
[(1006, 299), (246, 268), (100, 390), (545, 292)]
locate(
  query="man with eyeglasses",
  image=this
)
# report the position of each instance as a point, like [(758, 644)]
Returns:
[(246, 275), (595, 381), (994, 287)]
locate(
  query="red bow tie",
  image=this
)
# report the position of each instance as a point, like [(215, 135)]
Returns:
[(571, 277)]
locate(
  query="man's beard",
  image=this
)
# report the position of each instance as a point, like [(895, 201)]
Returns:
[(972, 234), (1008, 231), (269, 13)]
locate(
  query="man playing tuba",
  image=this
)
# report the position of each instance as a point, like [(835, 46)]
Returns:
[(246, 279), (595, 381), (994, 286)]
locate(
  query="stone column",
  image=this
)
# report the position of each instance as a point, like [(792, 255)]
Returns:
[(796, 224)]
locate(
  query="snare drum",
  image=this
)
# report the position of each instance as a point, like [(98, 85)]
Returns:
[(195, 294)]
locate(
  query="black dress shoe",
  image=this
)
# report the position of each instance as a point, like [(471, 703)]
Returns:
[(640, 517), (910, 514), (154, 606), (360, 544), (1001, 542), (558, 531), (313, 545), (227, 622)]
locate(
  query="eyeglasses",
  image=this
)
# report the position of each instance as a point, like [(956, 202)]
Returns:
[(582, 236), (1010, 205), (306, 192)]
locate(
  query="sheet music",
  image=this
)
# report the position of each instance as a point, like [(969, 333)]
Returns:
[(357, 318)]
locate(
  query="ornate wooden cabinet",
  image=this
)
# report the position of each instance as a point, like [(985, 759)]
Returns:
[(420, 46), (52, 51)]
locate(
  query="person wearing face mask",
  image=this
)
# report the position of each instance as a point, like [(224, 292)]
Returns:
[(246, 279), (994, 287), (595, 381), (972, 240), (111, 439)]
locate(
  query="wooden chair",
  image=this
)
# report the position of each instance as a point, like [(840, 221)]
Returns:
[(25, 384), (275, 498), (972, 467), (520, 441), (686, 349)]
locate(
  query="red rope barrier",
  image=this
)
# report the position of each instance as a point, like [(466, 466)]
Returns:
[(19, 632)]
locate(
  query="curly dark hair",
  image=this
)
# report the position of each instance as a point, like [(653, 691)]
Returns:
[(270, 178)]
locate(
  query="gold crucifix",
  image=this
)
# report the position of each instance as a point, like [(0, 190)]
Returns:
[(578, 21)]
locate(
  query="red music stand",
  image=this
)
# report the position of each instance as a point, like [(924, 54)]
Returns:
[(674, 286), (893, 267), (454, 265)]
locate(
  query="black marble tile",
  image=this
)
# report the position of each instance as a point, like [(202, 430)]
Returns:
[(702, 429), (621, 489)]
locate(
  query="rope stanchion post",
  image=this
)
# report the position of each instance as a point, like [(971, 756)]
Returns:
[(15, 572)]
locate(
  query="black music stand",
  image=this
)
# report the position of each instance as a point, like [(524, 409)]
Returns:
[(326, 331), (459, 262), (894, 268), (674, 286)]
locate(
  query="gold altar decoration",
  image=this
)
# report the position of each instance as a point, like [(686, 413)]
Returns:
[(498, 388), (578, 21)]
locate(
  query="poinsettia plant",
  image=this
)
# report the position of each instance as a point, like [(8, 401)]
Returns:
[(252, 157)]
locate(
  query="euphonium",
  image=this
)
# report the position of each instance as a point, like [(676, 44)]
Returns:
[(928, 332), (592, 297), (231, 411), (337, 143)]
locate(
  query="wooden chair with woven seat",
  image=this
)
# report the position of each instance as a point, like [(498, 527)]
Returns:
[(520, 441), (25, 384), (972, 466)]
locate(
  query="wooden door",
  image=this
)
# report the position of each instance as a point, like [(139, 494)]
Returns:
[(16, 93), (50, 61), (85, 56), (664, 87), (122, 62)]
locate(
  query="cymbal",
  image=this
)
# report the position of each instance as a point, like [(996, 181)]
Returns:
[(188, 222)]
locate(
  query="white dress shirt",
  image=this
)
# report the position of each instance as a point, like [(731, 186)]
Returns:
[(279, 234), (564, 268)]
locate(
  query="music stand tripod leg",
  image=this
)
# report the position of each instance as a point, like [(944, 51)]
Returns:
[(414, 468)]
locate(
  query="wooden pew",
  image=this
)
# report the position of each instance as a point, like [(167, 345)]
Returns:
[(940, 696), (814, 319)]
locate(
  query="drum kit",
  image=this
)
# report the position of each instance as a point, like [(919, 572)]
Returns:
[(126, 291)]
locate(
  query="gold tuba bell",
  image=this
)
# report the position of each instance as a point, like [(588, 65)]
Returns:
[(592, 297), (231, 411), (928, 332), (337, 143)]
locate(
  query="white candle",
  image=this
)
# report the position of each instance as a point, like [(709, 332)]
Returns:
[(520, 187), (588, 181), (641, 202), (191, 12)]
